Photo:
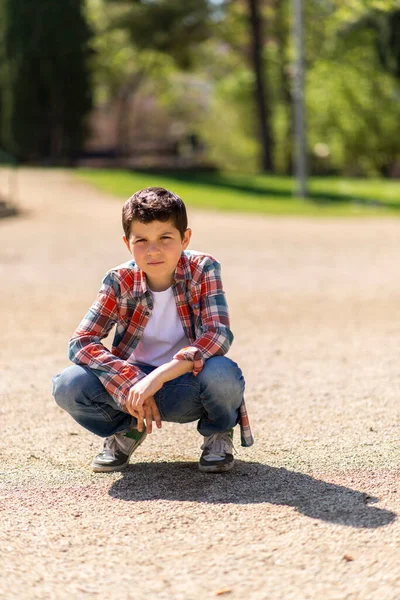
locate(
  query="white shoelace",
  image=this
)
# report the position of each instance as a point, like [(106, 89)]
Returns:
[(117, 442), (109, 444), (219, 444)]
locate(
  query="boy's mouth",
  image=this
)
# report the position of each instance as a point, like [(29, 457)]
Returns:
[(154, 264)]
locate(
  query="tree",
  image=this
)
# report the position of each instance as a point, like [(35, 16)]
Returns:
[(261, 93), (386, 27), (353, 99), (177, 28), (45, 87), (173, 27), (119, 68), (160, 44)]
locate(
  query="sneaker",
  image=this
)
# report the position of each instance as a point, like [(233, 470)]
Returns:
[(217, 455), (117, 451)]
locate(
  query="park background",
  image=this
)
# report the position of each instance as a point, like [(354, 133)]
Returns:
[(205, 90), (101, 98)]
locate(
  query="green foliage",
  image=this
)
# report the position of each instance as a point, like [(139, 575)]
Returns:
[(352, 10), (119, 67), (229, 125), (388, 43), (169, 27), (351, 76), (353, 106), (45, 89), (385, 26), (228, 122)]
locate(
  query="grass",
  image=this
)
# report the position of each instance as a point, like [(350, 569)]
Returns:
[(273, 195)]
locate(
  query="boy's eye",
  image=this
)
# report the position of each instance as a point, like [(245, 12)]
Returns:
[(137, 241), (166, 237)]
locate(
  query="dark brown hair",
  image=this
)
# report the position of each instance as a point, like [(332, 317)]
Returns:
[(154, 204)]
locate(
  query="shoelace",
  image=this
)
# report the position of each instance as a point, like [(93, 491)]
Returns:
[(118, 442), (218, 444), (109, 444)]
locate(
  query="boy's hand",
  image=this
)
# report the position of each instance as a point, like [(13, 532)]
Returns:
[(141, 403), (142, 390), (150, 412)]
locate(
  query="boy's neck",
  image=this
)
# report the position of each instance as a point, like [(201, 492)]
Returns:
[(159, 286), (157, 291)]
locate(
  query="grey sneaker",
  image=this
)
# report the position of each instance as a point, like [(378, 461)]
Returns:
[(217, 455), (117, 451)]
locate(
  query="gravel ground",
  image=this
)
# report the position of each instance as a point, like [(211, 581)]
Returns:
[(309, 512)]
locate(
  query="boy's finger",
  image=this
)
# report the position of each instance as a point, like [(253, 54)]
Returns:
[(149, 420), (139, 410), (156, 414), (140, 423), (138, 401), (131, 402)]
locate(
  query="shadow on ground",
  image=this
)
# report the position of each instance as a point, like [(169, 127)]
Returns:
[(250, 483)]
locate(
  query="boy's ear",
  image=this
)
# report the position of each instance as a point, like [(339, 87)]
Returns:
[(126, 242), (186, 238)]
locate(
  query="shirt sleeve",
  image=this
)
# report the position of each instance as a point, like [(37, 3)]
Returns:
[(85, 347), (216, 336)]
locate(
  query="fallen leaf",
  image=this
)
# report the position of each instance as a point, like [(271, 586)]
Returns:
[(348, 557)]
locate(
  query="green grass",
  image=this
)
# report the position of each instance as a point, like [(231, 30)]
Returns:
[(329, 196)]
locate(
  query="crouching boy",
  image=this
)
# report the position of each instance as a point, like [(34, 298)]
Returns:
[(167, 360)]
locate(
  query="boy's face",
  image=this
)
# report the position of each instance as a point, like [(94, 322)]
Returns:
[(156, 248)]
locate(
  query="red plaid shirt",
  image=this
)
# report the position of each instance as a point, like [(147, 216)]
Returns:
[(124, 300)]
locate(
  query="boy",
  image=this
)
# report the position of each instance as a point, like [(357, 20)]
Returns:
[(167, 361)]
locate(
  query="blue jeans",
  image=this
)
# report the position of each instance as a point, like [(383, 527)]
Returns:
[(212, 397)]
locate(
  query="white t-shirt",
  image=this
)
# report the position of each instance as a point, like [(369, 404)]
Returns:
[(163, 335)]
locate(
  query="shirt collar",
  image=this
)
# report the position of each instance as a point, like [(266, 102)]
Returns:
[(182, 271)]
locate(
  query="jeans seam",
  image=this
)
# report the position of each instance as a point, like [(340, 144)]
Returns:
[(101, 394), (177, 385), (188, 413), (104, 412)]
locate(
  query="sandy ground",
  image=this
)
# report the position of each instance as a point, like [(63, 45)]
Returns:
[(309, 512)]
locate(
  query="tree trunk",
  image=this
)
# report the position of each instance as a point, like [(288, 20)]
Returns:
[(282, 33), (261, 90), (125, 94)]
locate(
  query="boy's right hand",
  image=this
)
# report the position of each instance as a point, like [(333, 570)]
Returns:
[(149, 412)]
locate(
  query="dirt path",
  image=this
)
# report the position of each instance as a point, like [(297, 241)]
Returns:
[(310, 512)]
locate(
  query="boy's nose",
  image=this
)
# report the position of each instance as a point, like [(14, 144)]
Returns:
[(153, 249)]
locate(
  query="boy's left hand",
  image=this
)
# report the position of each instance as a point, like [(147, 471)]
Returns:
[(151, 413), (143, 389)]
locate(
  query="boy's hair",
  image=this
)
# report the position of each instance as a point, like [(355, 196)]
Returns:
[(154, 204)]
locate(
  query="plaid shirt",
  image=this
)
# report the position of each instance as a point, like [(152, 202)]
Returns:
[(124, 300)]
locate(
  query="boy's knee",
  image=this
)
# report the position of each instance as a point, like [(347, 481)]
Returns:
[(223, 379), (68, 385)]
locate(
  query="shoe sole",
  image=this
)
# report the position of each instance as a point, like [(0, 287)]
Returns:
[(101, 469), (216, 468), (97, 469)]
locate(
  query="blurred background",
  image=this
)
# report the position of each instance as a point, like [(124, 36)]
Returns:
[(205, 91)]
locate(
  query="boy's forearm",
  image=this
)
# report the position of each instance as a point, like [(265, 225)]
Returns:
[(172, 369)]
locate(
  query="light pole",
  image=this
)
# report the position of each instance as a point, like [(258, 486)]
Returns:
[(300, 147)]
